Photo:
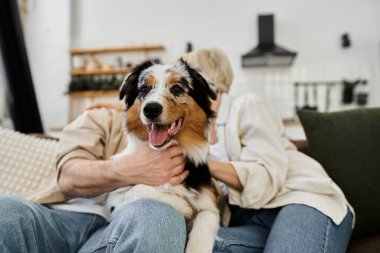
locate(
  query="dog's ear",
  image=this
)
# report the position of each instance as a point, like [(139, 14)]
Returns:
[(128, 87), (201, 90), (213, 90), (200, 79)]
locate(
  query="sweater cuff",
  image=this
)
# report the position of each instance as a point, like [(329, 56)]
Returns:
[(253, 181), (81, 154)]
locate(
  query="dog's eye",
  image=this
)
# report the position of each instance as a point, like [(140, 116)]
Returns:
[(176, 90), (144, 90)]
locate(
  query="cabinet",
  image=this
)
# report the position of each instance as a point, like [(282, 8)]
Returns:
[(93, 81)]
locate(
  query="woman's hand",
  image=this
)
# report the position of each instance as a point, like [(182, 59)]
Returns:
[(226, 173)]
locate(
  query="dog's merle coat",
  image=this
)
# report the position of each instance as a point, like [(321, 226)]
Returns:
[(167, 104)]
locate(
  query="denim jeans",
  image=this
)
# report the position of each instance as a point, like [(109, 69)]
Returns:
[(289, 229), (142, 226), (151, 226)]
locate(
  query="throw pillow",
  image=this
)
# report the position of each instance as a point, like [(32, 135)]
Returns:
[(347, 144)]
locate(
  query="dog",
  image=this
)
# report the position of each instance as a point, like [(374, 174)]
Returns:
[(167, 104)]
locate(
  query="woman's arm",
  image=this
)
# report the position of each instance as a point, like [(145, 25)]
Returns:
[(226, 173), (262, 163)]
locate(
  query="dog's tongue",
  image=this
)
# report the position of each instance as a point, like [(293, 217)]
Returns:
[(158, 134)]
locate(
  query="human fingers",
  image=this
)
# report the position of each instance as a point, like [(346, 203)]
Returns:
[(176, 180), (177, 161), (175, 150), (177, 170)]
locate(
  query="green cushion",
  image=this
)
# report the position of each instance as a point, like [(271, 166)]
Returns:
[(347, 144)]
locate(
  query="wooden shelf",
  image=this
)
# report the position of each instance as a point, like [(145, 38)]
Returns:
[(80, 99), (93, 93), (291, 122), (146, 48), (84, 72)]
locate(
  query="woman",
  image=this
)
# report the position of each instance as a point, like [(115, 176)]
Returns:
[(282, 200)]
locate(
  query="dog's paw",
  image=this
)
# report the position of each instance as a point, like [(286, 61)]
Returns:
[(200, 244), (199, 248), (202, 235)]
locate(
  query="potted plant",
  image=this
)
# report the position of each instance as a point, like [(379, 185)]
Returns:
[(348, 91)]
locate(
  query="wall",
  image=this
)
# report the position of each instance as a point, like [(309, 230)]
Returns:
[(312, 28), (47, 36), (5, 119)]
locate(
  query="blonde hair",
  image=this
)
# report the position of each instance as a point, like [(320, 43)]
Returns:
[(215, 65)]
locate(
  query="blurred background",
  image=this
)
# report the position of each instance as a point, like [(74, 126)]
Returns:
[(328, 55)]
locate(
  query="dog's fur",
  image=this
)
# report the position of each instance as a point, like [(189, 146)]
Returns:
[(184, 95)]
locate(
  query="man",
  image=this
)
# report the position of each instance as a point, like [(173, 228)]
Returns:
[(85, 174)]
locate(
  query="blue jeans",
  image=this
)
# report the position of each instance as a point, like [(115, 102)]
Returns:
[(151, 226), (289, 229), (142, 226)]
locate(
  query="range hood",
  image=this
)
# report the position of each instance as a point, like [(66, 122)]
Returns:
[(267, 53)]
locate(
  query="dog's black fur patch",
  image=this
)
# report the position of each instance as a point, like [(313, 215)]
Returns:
[(199, 175), (201, 88), (128, 88)]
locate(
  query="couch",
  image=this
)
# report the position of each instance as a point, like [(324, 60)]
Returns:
[(347, 144)]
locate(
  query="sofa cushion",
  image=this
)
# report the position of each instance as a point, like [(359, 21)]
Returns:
[(347, 144), (28, 166)]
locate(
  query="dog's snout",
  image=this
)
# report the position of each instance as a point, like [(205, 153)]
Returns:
[(152, 110)]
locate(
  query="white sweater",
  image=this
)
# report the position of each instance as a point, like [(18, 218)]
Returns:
[(271, 170)]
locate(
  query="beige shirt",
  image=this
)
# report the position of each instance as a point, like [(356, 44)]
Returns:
[(94, 135)]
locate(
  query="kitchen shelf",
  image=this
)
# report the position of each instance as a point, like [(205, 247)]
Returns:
[(85, 72), (92, 93), (291, 122), (142, 48), (78, 100)]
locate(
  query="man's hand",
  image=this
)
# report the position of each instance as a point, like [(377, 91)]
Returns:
[(151, 167), (89, 178)]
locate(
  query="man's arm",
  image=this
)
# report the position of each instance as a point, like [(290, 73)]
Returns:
[(89, 178)]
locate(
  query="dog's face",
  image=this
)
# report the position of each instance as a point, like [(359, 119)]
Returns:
[(168, 102)]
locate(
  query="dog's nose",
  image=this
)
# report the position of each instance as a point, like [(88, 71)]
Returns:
[(152, 110)]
